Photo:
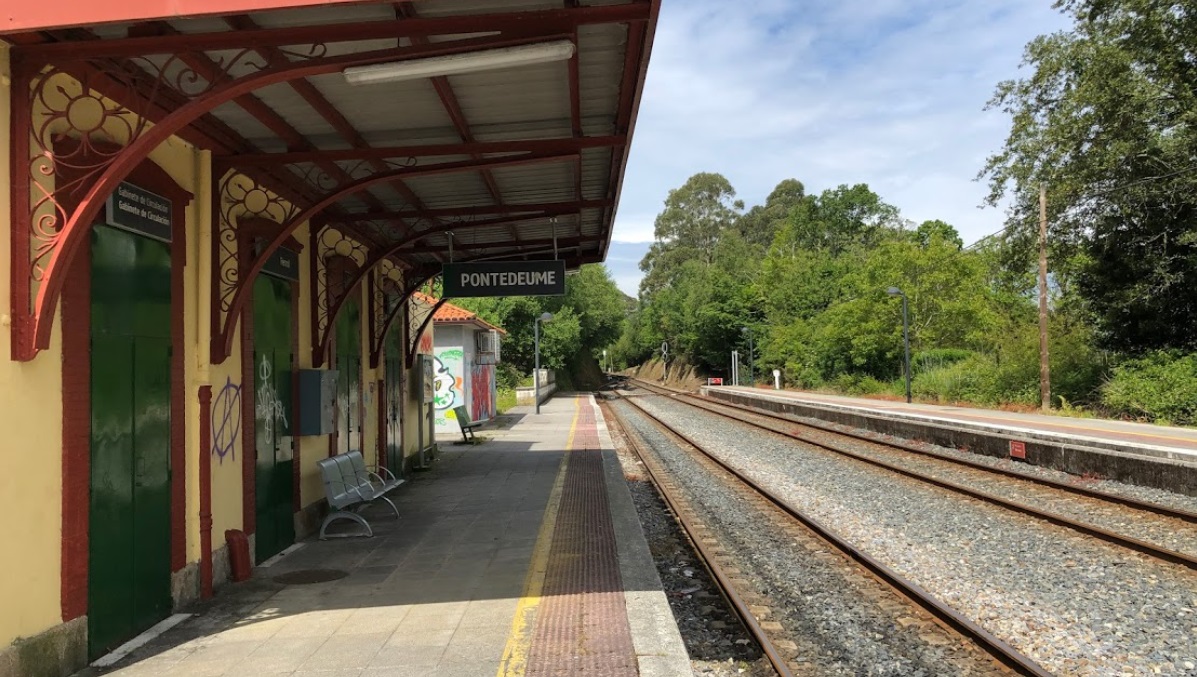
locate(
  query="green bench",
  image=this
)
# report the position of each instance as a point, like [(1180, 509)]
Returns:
[(467, 425)]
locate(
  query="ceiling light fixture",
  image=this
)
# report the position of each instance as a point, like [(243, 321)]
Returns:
[(455, 64)]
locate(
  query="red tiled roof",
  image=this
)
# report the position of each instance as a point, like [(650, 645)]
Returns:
[(451, 314)]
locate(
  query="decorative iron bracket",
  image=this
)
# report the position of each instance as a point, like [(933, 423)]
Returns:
[(114, 101)]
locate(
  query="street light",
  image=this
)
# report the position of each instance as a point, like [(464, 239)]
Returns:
[(894, 291), (606, 368), (544, 317), (751, 372)]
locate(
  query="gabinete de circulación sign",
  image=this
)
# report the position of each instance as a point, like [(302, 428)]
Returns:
[(515, 278)]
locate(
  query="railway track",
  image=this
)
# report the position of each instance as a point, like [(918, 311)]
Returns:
[(1156, 519), (895, 591)]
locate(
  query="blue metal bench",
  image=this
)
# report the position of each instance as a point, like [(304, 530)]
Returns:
[(467, 424), (349, 486)]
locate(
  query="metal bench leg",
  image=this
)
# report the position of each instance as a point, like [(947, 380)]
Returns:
[(344, 514), (392, 506)]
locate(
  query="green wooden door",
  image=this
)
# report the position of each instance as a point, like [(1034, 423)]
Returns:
[(393, 359), (349, 376), (129, 528), (272, 416)]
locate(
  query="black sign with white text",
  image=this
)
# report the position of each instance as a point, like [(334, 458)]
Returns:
[(140, 211), (282, 263), (511, 278)]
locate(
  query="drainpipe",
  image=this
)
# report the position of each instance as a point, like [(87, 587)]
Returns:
[(203, 358)]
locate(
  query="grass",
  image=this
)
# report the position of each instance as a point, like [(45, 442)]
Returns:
[(506, 399)]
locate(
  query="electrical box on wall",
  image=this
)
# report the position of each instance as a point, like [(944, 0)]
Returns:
[(317, 396)]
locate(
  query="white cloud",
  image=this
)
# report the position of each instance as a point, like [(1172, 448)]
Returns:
[(884, 92)]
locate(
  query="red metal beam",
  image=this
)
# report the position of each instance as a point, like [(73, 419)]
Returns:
[(241, 295), (44, 14), (562, 243), (444, 90), (546, 208), (79, 223), (378, 256), (559, 145), (539, 22), (635, 72), (276, 123)]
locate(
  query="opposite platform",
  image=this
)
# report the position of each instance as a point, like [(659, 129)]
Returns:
[(522, 555), (1156, 456)]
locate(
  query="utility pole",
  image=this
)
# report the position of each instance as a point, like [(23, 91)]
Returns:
[(1045, 387)]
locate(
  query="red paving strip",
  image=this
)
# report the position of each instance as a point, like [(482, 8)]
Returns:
[(582, 626)]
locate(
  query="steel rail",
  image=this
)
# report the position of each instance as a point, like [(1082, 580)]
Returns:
[(1127, 501), (1150, 549), (953, 619), (708, 559)]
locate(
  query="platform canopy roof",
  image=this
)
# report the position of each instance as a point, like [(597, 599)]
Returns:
[(472, 129)]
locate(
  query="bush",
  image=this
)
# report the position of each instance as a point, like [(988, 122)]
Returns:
[(857, 384), (507, 375), (1161, 386), (926, 360)]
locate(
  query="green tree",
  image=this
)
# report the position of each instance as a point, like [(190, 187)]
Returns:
[(694, 218), (760, 224), (1106, 122)]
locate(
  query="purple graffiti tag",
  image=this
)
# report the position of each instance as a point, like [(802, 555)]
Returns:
[(226, 421)]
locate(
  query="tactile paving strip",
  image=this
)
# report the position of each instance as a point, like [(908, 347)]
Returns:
[(582, 626)]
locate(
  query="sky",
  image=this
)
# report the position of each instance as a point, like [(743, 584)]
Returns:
[(890, 93)]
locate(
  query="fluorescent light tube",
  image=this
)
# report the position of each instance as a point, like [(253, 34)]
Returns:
[(468, 62)]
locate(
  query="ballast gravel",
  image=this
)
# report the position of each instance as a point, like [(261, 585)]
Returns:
[(1162, 531), (1075, 605), (823, 603)]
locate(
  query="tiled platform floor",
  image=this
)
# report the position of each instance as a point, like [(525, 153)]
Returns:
[(436, 592)]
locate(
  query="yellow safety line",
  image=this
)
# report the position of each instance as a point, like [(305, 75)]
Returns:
[(519, 638)]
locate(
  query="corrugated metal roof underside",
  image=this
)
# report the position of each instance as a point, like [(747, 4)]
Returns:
[(528, 102)]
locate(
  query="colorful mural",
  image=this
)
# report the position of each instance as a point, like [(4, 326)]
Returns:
[(449, 384), (482, 401)]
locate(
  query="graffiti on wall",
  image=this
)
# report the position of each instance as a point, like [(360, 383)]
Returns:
[(449, 384), (482, 403), (267, 405), (226, 421)]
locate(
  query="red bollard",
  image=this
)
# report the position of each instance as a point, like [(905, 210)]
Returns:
[(239, 565)]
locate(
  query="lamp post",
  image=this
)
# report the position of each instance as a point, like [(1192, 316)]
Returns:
[(544, 317), (751, 355), (894, 291), (606, 367)]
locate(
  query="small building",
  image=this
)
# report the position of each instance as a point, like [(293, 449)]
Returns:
[(466, 349)]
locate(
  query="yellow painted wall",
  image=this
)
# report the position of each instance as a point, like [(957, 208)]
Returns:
[(31, 451), (31, 405), (312, 448), (370, 378)]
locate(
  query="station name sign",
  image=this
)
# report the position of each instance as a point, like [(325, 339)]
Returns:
[(509, 278), (137, 209)]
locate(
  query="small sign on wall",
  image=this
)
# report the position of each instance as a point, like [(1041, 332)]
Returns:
[(137, 209), (714, 381), (1018, 450)]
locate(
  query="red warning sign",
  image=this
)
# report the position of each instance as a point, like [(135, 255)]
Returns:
[(714, 381), (1018, 449)]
